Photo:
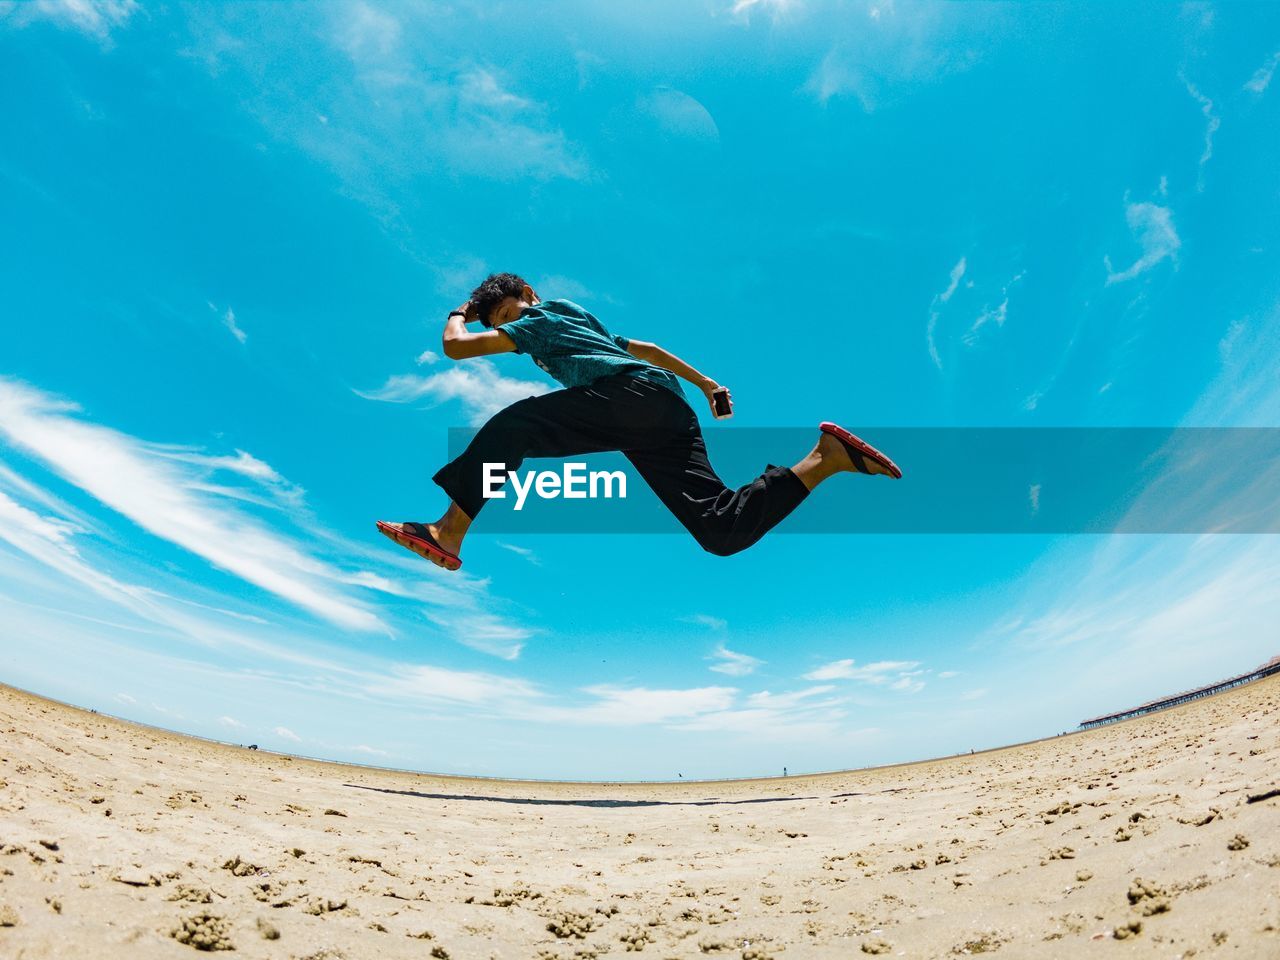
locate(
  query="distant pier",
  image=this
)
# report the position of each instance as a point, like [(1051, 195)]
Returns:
[(1164, 703)]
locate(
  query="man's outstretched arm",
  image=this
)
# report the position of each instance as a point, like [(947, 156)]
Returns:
[(652, 353), (459, 343)]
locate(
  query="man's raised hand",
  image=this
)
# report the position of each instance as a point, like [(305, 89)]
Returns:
[(468, 310)]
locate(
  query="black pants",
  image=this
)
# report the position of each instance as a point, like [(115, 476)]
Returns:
[(656, 430)]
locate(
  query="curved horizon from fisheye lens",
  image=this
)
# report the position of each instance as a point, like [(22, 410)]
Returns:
[(1031, 250)]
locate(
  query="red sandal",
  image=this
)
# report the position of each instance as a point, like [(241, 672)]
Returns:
[(419, 541), (860, 451)]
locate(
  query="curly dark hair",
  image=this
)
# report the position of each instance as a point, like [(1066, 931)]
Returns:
[(495, 288)]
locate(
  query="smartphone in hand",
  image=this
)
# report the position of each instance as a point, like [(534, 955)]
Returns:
[(722, 409)]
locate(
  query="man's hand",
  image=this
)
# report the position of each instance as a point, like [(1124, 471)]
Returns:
[(458, 344), (709, 388)]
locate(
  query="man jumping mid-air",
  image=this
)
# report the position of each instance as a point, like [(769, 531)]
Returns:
[(621, 395)]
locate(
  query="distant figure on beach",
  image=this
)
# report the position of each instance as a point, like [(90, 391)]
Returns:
[(619, 394)]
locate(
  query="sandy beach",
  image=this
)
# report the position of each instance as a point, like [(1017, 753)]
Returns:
[(1157, 837)]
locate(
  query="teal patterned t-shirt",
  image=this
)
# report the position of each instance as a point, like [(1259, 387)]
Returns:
[(574, 347)]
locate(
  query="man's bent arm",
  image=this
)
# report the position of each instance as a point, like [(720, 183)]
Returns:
[(652, 353), (459, 344)]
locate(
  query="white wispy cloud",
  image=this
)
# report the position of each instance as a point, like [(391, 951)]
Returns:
[(294, 662), (835, 75), (368, 33), (95, 17), (1212, 122), (227, 318), (1181, 607), (778, 701), (474, 117), (477, 385), (1157, 237), (32, 493), (484, 631), (426, 358), (229, 321), (743, 8), (295, 668), (989, 314), (150, 486), (957, 273), (705, 620), (628, 706), (396, 104), (522, 552), (1261, 78), (732, 663), (479, 87), (231, 722), (935, 309), (1145, 616), (882, 60), (280, 493), (520, 699), (897, 674), (284, 733), (49, 541), (421, 682), (711, 708), (1245, 392), (800, 715)]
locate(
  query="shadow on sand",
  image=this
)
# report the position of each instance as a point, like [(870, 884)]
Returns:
[(605, 804)]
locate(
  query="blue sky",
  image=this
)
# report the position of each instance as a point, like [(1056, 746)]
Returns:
[(232, 232)]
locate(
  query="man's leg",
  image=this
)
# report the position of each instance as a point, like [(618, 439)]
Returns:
[(723, 520), (562, 423)]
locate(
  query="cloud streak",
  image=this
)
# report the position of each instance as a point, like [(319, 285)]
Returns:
[(160, 492), (94, 17), (733, 664), (1212, 122), (478, 386), (1153, 228), (900, 675), (935, 309), (229, 321), (997, 314), (1261, 78)]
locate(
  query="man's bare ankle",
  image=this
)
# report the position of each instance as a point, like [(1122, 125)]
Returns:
[(445, 536)]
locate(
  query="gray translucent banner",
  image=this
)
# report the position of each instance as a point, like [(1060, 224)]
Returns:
[(961, 480)]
